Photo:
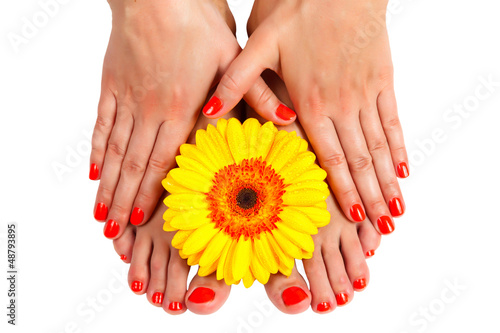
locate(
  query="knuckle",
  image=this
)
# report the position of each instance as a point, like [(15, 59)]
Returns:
[(360, 163), (379, 144), (103, 124), (334, 160), (158, 164), (131, 166), (229, 83), (392, 123), (116, 149), (378, 206), (105, 193), (265, 98), (157, 264), (392, 184)]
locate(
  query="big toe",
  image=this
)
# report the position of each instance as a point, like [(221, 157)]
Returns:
[(289, 294), (206, 294)]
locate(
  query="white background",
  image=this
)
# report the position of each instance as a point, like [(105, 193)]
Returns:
[(441, 50)]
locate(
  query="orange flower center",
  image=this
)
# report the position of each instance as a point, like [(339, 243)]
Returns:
[(246, 198)]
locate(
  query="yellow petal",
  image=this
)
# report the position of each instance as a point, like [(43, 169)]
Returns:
[(214, 249), (191, 219), (222, 127), (300, 239), (196, 154), (297, 220), (284, 259), (267, 134), (248, 279), (298, 166), (222, 259), (207, 270), (260, 273), (199, 238), (180, 238), (280, 145), (306, 255), (288, 153), (304, 197), (220, 145), (191, 180), (172, 186), (303, 146), (241, 258), (265, 253), (167, 227), (285, 270), (314, 184), (182, 255), (194, 259), (319, 216), (321, 204), (312, 174), (286, 245), (188, 163), (236, 140), (251, 128), (228, 265), (169, 214), (205, 143), (187, 201)]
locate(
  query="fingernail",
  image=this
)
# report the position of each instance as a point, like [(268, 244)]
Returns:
[(396, 207), (370, 253), (157, 297), (323, 307), (136, 286), (403, 170), (284, 112), (293, 295), (137, 216), (175, 306), (111, 229), (94, 172), (342, 299), (101, 212), (385, 225), (359, 284), (213, 106), (357, 213), (202, 295), (123, 257)]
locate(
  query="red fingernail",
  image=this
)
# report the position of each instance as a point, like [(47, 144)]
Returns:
[(175, 306), (293, 295), (370, 253), (137, 216), (94, 172), (359, 284), (396, 207), (136, 286), (323, 307), (202, 295), (111, 229), (213, 106), (157, 297), (123, 257), (284, 112), (403, 170), (385, 225), (357, 213), (101, 212), (342, 299)]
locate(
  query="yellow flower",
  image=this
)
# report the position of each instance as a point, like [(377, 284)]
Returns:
[(245, 201)]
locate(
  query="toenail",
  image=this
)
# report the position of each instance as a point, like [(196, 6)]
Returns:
[(385, 225), (370, 253), (403, 170), (101, 212), (175, 306), (359, 284), (202, 295), (293, 295), (323, 307), (111, 229), (157, 298), (137, 216), (94, 172), (357, 213), (396, 207), (136, 286), (123, 257), (342, 298)]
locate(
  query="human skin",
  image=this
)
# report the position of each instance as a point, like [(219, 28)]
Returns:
[(342, 90)]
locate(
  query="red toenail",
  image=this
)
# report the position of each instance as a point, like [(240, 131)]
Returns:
[(357, 213), (137, 216), (175, 306), (403, 170), (123, 257), (157, 297), (101, 212), (323, 307), (136, 286), (396, 207), (342, 299), (111, 229), (370, 253), (385, 225), (359, 284), (202, 295), (94, 172), (284, 112), (213, 106), (293, 295)]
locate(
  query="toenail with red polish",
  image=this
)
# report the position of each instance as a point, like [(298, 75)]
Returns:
[(157, 298), (213, 106), (284, 112), (202, 295), (137, 216), (136, 286), (323, 307), (123, 257), (293, 295), (370, 253), (359, 284), (101, 212), (403, 170), (357, 213), (175, 306), (342, 299), (94, 172), (111, 229), (396, 207), (385, 225)]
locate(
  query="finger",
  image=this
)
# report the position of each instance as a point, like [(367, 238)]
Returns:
[(106, 111), (387, 108)]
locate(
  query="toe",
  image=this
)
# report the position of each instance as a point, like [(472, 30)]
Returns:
[(323, 298), (175, 293), (138, 275), (206, 294), (337, 275), (354, 259), (289, 294), (369, 238), (158, 271), (125, 243)]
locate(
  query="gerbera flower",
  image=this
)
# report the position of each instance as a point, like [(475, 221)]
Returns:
[(245, 201)]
